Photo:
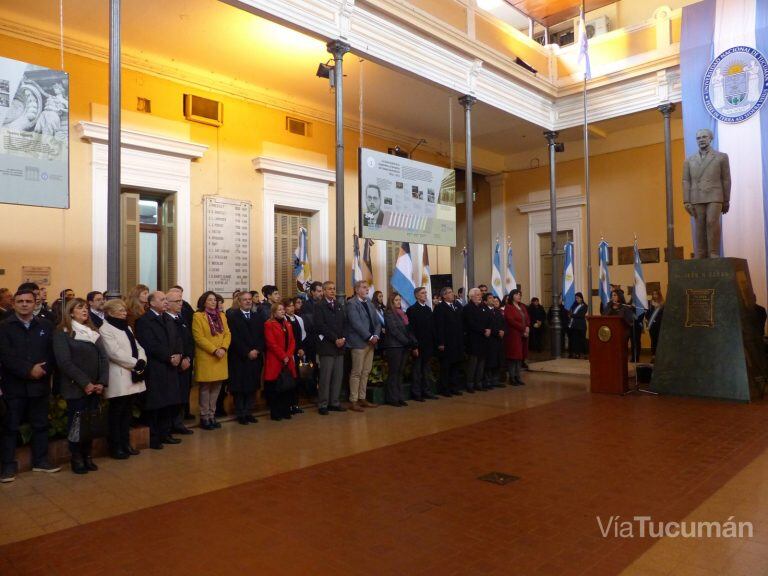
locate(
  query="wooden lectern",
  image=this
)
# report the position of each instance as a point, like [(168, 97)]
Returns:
[(608, 355)]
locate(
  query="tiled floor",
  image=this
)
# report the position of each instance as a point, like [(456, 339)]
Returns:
[(315, 496)]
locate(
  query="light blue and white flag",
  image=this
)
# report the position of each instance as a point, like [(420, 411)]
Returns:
[(723, 71), (301, 269), (583, 58), (496, 287), (569, 286), (464, 276), (603, 279), (426, 276), (402, 276), (357, 272), (510, 283), (639, 294)]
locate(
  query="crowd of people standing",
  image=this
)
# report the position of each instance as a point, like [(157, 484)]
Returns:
[(150, 349)]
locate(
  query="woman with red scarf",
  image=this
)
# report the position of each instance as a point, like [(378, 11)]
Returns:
[(212, 339), (279, 366)]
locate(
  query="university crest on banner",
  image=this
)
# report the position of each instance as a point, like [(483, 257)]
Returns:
[(736, 84)]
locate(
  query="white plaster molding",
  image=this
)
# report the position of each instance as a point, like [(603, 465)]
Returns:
[(98, 133), (296, 187), (568, 219), (142, 168), (292, 169), (543, 205)]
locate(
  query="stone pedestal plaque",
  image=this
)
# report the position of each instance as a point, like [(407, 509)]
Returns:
[(709, 344)]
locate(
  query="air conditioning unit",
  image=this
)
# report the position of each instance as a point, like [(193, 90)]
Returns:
[(597, 26)]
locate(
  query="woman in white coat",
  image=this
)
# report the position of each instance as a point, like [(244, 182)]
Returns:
[(127, 362)]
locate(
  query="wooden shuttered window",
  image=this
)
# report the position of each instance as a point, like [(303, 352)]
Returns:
[(169, 260), (287, 224), (129, 241)]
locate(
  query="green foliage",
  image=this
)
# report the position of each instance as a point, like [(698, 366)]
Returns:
[(379, 371)]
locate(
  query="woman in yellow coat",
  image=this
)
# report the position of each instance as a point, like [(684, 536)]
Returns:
[(212, 338)]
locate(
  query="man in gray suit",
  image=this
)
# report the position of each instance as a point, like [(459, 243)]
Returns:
[(363, 333), (707, 193)]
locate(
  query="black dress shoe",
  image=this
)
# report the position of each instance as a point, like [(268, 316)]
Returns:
[(277, 418), (457, 393), (403, 403), (156, 445), (90, 464), (119, 454), (323, 411), (431, 397), (131, 450), (215, 423), (171, 440), (520, 383), (206, 425), (417, 399), (446, 394), (183, 431), (296, 410), (395, 404), (337, 408), (78, 465), (251, 418), (242, 420), (470, 390)]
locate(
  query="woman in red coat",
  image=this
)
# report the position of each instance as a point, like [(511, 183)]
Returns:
[(516, 338), (278, 335)]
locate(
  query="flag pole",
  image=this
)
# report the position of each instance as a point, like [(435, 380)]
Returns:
[(586, 178)]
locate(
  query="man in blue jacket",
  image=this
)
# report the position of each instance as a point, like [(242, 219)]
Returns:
[(26, 357), (363, 333)]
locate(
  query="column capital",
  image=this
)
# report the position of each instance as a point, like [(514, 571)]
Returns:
[(467, 101), (551, 136), (337, 48), (667, 108)]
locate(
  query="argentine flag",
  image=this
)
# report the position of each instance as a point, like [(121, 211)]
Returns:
[(603, 279), (402, 276), (639, 294), (583, 57), (569, 287), (496, 287), (301, 271), (510, 283), (357, 272)]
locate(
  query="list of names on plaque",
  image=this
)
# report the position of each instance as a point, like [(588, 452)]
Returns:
[(227, 245)]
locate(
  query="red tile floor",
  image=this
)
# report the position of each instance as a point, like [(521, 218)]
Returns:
[(418, 508)]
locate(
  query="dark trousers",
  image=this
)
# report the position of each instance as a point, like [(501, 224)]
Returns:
[(73, 407), (395, 365), (243, 403), (636, 333), (475, 369), (331, 373), (577, 340), (279, 402), (537, 339), (449, 374), (513, 366), (220, 400), (160, 422), (421, 375), (36, 411), (120, 415)]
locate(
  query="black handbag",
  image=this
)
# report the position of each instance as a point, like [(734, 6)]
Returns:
[(89, 423), (285, 382)]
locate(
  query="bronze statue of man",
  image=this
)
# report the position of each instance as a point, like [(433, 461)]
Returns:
[(707, 193)]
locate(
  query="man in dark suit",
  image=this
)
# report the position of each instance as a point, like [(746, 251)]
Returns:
[(186, 314), (175, 300), (96, 301), (245, 358), (330, 328), (26, 365), (477, 323), (307, 313), (157, 334), (423, 328), (449, 337)]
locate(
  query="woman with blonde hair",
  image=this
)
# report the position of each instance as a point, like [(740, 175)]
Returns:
[(83, 370), (212, 339), (127, 363), (137, 303)]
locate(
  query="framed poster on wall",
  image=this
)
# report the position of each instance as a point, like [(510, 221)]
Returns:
[(34, 135)]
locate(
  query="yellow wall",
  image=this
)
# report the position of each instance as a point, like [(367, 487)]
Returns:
[(63, 237), (627, 190)]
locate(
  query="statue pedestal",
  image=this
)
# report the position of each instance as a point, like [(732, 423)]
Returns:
[(710, 345)]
